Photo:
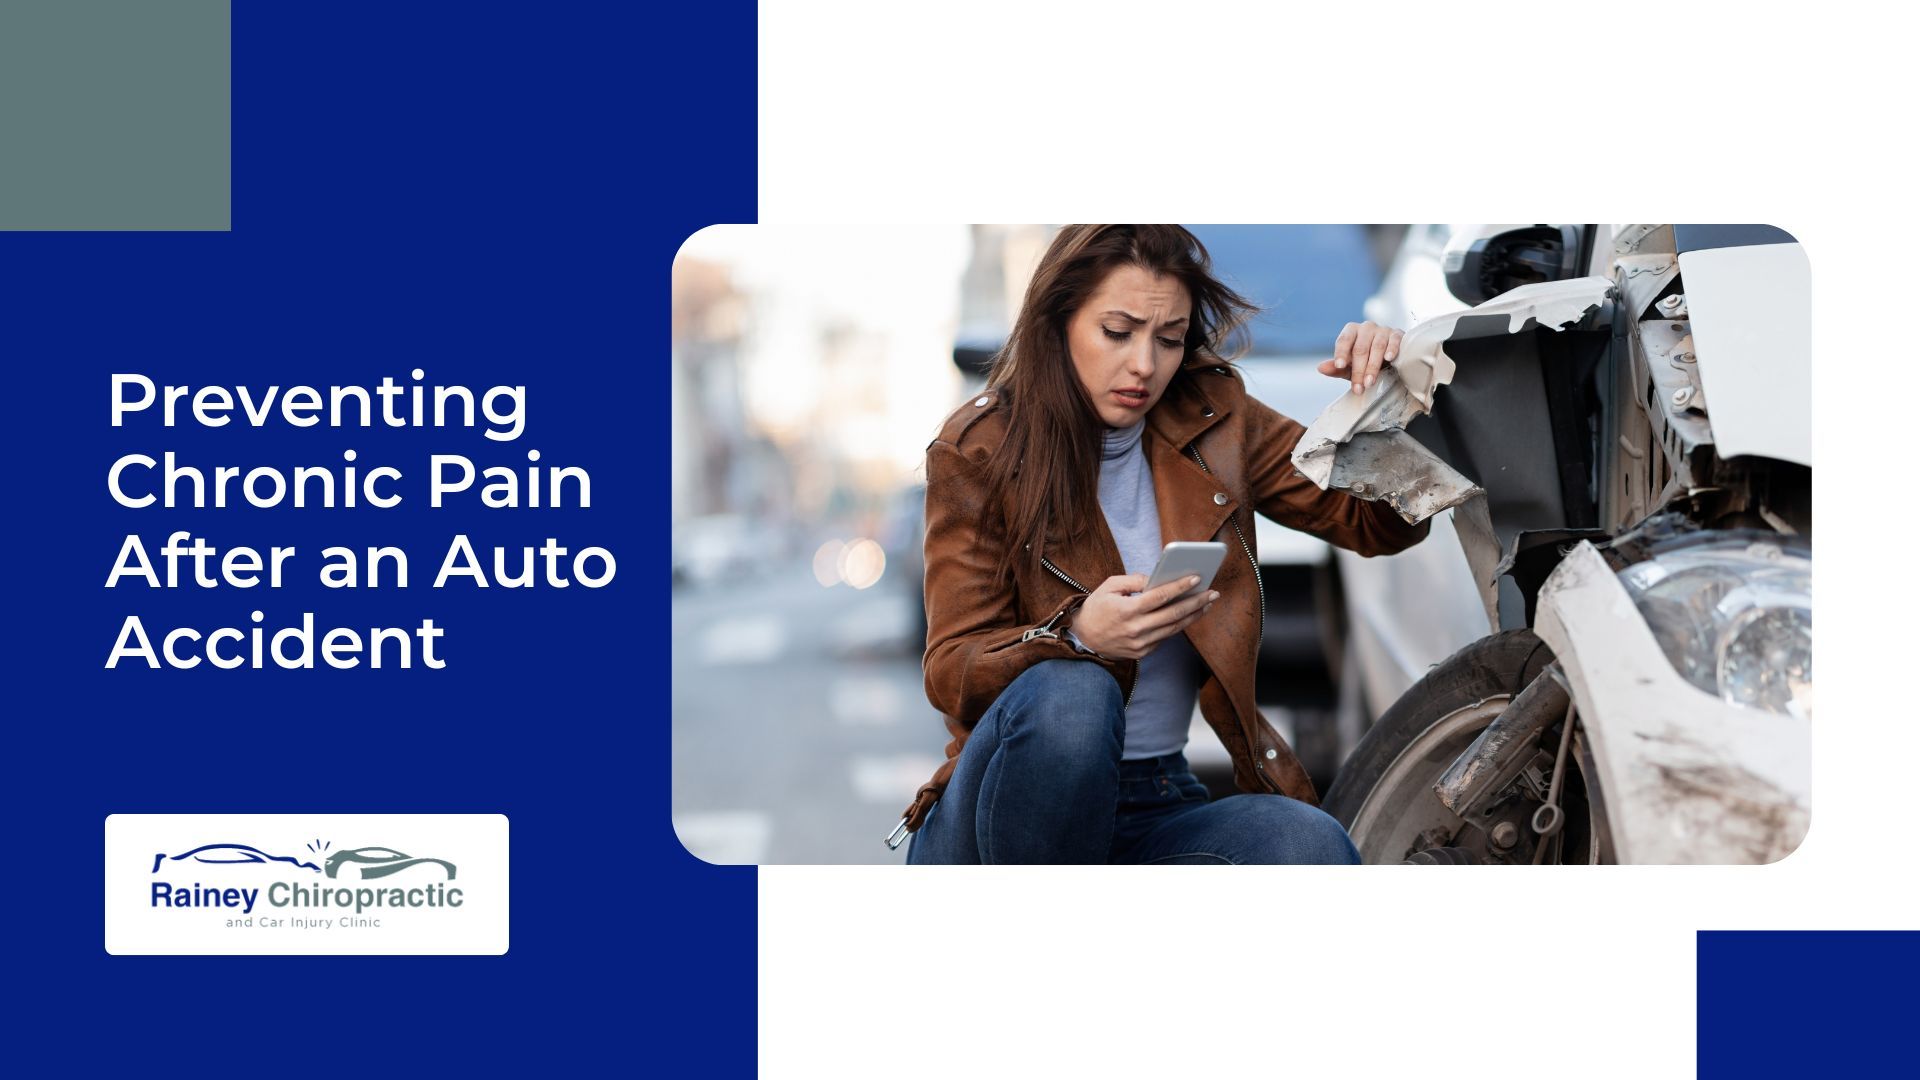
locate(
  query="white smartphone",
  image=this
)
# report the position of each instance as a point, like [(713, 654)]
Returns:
[(1184, 558)]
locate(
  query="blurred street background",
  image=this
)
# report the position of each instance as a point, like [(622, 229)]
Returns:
[(811, 367)]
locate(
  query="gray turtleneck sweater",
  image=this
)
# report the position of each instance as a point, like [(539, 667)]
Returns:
[(1170, 675)]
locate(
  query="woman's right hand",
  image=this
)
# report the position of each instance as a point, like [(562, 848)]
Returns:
[(1359, 353), (1127, 627)]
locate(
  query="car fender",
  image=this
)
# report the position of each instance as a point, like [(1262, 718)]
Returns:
[(1685, 776)]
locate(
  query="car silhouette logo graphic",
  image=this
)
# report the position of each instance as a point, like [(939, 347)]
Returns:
[(378, 862), (231, 855)]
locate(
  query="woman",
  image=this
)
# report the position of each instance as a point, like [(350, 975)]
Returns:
[(1111, 425)]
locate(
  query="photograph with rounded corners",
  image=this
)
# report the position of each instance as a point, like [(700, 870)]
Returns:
[(1225, 544)]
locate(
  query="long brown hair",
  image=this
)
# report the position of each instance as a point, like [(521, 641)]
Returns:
[(1048, 471)]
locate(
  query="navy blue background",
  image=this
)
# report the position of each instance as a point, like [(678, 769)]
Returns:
[(1806, 1003), (493, 193)]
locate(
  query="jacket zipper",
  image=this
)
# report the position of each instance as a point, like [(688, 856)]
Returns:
[(1057, 572), (1260, 621), (1079, 588)]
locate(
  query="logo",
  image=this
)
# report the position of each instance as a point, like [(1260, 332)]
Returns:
[(377, 862), (425, 888), (281, 884), (229, 855)]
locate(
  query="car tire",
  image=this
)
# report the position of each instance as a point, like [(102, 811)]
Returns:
[(1498, 665)]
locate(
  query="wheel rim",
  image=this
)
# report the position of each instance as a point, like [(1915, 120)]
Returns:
[(1402, 805)]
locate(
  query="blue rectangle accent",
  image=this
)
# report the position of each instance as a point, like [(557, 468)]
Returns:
[(1805, 1003), (493, 192)]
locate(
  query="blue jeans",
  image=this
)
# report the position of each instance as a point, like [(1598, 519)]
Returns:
[(1041, 781)]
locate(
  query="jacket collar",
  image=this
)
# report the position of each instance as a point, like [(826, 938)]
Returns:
[(1183, 489), (1193, 404), (1185, 492)]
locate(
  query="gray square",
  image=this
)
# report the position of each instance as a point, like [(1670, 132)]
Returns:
[(114, 115)]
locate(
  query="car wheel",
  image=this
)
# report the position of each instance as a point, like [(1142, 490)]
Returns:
[(1384, 793)]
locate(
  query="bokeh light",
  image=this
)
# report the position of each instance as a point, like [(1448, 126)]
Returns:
[(826, 563), (862, 563)]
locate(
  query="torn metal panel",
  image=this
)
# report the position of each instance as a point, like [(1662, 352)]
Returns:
[(1394, 468), (1474, 526), (1359, 443), (1405, 388), (1688, 778)]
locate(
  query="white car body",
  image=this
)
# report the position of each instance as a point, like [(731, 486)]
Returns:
[(1724, 362), (1391, 651), (1292, 386), (1688, 777)]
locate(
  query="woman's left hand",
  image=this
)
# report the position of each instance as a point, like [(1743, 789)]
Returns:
[(1360, 352)]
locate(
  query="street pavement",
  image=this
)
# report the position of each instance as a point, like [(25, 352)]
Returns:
[(801, 727)]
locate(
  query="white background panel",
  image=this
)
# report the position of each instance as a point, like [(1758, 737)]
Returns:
[(1216, 112)]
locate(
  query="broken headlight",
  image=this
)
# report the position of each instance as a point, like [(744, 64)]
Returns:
[(1735, 617)]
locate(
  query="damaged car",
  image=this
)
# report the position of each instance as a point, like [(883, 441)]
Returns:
[(1617, 428)]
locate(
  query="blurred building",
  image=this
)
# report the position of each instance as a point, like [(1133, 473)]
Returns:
[(1001, 262), (721, 464), (812, 366)]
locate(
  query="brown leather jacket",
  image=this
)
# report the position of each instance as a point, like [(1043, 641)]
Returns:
[(1216, 455)]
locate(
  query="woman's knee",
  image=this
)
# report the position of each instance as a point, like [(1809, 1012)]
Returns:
[(1081, 681), (1316, 837), (1286, 830), (1071, 704)]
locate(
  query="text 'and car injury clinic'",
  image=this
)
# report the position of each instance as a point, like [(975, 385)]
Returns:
[(140, 481)]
